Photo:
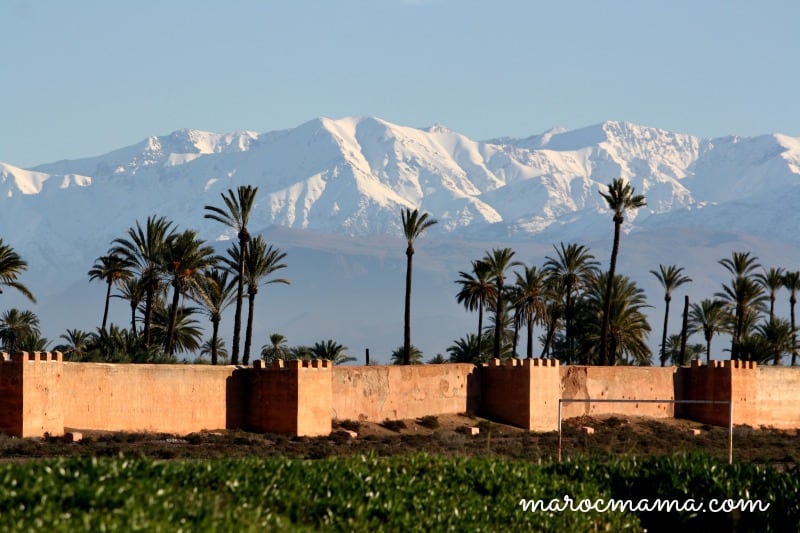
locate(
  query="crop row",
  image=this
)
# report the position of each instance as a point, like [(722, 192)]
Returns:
[(401, 493)]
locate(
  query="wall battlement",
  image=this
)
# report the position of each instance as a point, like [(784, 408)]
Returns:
[(42, 394)]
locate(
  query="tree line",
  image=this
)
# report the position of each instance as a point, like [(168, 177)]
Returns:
[(588, 316)]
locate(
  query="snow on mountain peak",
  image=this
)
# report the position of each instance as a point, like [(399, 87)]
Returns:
[(352, 175)]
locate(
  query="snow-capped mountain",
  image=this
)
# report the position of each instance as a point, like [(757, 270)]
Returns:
[(350, 177)]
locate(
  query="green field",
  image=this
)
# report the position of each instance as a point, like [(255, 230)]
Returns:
[(366, 493)]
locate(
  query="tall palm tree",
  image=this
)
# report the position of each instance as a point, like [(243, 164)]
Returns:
[(567, 274), (185, 259), (332, 351), (112, 269), (15, 327), (671, 277), (709, 317), (414, 224), (11, 266), (236, 215), (791, 280), (771, 280), (620, 198), (215, 293), (498, 261), (477, 290), (261, 261), (530, 301), (144, 248)]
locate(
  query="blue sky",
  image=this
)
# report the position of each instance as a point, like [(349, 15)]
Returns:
[(85, 77)]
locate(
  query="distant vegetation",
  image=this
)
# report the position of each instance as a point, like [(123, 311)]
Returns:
[(171, 279)]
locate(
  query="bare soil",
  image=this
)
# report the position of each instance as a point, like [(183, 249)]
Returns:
[(444, 435)]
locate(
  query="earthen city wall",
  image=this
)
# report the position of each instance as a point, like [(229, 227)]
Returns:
[(41, 394)]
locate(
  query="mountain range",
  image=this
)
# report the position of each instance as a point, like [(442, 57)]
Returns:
[(330, 192)]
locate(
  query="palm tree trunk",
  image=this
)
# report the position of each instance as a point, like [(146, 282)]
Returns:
[(605, 354), (407, 314), (214, 340), (497, 312), (248, 332), (108, 299), (529, 350), (793, 301), (708, 350), (516, 338), (173, 316), (684, 327), (480, 329), (664, 335), (133, 317), (148, 313), (237, 317)]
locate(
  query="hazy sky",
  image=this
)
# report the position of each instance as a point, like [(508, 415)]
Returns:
[(80, 78)]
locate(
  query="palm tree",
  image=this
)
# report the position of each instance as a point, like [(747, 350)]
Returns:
[(215, 349), (332, 351), (144, 248), (709, 317), (746, 297), (112, 269), (11, 266), (772, 281), (740, 264), (187, 335), (670, 277), (414, 224), (791, 280), (261, 261), (398, 356), (467, 350), (530, 301), (236, 216), (497, 262), (568, 273), (133, 290), (620, 198), (437, 359), (15, 327), (185, 258), (627, 322), (777, 332), (276, 349), (76, 345), (477, 290), (215, 293)]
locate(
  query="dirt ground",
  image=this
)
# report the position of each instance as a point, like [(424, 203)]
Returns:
[(445, 435)]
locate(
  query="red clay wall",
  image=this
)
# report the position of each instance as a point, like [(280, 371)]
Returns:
[(734, 381), (377, 393), (778, 392), (617, 383), (156, 398), (522, 392), (30, 394), (293, 399)]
